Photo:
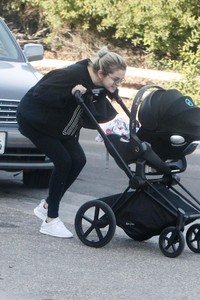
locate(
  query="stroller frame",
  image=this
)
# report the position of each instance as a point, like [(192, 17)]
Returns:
[(96, 220)]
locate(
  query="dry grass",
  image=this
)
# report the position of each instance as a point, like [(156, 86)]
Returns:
[(80, 44)]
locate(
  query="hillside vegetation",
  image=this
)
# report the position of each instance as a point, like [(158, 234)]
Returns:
[(151, 33)]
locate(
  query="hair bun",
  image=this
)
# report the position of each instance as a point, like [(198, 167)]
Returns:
[(103, 51), (107, 61)]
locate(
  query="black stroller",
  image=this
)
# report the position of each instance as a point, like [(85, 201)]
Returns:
[(155, 202)]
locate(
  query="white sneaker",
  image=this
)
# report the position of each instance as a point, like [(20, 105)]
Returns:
[(40, 211), (56, 228)]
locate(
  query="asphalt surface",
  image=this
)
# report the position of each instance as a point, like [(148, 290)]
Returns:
[(38, 267)]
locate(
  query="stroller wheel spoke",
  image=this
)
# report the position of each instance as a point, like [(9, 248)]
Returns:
[(173, 247), (87, 219), (88, 231), (192, 240), (96, 213), (99, 234), (166, 243)]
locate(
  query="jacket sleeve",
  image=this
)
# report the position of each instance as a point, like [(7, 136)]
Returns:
[(54, 89)]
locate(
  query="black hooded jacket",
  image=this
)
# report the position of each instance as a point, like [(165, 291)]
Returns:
[(49, 108)]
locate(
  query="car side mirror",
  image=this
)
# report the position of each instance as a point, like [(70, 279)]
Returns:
[(33, 51)]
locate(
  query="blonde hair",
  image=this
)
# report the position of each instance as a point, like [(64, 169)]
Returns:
[(108, 61)]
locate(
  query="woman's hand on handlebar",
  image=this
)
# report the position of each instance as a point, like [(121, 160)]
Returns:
[(80, 88)]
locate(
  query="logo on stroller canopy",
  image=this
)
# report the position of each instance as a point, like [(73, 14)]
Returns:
[(189, 102)]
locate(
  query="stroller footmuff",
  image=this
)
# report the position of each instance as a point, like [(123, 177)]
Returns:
[(155, 203)]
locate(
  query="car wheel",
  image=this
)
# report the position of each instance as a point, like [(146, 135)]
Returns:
[(37, 178)]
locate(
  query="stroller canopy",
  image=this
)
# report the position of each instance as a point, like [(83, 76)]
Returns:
[(164, 113), (170, 111)]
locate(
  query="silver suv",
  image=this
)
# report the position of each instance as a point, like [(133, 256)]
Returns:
[(17, 153)]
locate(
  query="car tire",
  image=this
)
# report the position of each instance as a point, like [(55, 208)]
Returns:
[(37, 178)]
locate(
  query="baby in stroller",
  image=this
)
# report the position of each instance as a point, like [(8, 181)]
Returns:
[(155, 202)]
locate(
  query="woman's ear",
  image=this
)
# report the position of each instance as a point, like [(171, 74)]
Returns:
[(100, 74)]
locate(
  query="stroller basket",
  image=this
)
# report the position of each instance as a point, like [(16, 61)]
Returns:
[(146, 212)]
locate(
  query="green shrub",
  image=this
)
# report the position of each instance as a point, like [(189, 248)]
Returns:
[(189, 66)]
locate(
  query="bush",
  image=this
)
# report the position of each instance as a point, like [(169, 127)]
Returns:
[(189, 65)]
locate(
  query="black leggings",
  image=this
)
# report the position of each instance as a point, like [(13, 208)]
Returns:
[(69, 159)]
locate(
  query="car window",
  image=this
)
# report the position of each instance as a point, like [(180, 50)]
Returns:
[(8, 49)]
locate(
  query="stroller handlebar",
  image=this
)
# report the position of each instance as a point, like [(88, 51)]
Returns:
[(77, 96)]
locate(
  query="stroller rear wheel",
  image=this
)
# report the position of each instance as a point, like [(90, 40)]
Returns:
[(193, 238), (95, 223), (171, 242)]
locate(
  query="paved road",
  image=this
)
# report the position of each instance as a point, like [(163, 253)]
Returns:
[(38, 267)]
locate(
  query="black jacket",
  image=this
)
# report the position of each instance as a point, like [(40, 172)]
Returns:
[(49, 107)]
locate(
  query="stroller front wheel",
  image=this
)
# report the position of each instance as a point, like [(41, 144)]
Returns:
[(171, 242), (193, 238), (95, 223)]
